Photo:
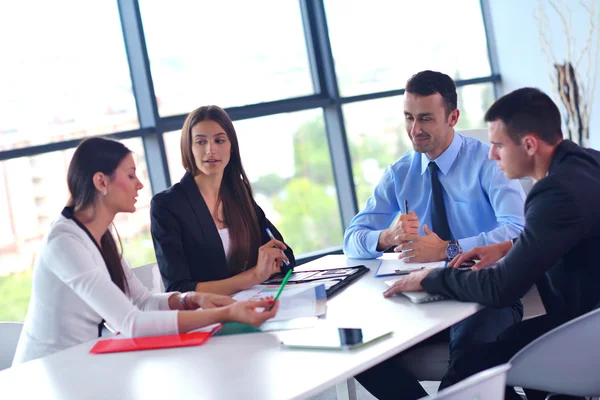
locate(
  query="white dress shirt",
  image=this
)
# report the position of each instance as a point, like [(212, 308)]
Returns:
[(72, 293)]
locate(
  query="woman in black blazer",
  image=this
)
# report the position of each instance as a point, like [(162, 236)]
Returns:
[(210, 210)]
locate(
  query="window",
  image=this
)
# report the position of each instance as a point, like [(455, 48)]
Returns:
[(377, 136), (228, 52), (378, 45), (33, 191), (64, 72), (287, 160)]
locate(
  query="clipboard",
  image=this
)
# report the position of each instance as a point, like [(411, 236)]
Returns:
[(335, 278), (153, 342), (391, 266)]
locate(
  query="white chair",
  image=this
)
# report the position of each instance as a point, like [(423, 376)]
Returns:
[(149, 275), (565, 360), (9, 337), (487, 385)]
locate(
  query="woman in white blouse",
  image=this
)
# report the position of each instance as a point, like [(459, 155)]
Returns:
[(81, 281)]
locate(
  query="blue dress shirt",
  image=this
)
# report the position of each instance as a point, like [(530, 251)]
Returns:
[(483, 206)]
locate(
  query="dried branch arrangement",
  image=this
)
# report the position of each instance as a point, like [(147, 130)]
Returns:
[(575, 92)]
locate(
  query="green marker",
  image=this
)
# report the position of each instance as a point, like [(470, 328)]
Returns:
[(285, 279)]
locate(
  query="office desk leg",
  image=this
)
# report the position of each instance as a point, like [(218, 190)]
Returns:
[(346, 390)]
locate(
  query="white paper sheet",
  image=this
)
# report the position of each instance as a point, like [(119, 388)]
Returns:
[(391, 265)]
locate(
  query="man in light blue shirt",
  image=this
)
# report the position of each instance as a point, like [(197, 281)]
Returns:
[(458, 199), (482, 206)]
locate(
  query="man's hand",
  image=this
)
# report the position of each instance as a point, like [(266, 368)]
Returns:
[(486, 254), (423, 248), (408, 283), (403, 226)]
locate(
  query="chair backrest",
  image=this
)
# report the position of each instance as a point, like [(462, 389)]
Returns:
[(565, 360), (482, 135), (486, 385), (9, 337), (149, 275)]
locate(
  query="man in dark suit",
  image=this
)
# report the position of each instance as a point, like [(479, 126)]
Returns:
[(557, 250)]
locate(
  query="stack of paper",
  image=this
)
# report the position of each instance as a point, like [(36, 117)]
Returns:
[(296, 301)]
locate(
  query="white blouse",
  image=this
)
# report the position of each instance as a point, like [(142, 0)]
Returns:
[(225, 238), (72, 292)]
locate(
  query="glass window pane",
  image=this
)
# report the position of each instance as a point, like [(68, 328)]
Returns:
[(227, 52), (64, 72), (378, 45), (33, 191), (473, 102), (287, 160), (377, 136)]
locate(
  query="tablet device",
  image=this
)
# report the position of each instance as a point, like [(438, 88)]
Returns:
[(331, 338), (423, 297), (418, 297)]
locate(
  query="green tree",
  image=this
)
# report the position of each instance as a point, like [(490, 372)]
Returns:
[(16, 290), (310, 215), (308, 205), (269, 184), (311, 152)]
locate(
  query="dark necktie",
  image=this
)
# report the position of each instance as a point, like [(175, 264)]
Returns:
[(439, 221)]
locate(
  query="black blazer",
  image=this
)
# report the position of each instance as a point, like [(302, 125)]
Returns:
[(186, 240), (557, 250)]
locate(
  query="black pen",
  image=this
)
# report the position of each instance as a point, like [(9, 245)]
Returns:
[(406, 206)]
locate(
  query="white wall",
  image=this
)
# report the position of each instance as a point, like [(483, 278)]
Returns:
[(519, 57)]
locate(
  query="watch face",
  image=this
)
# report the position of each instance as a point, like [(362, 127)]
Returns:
[(452, 250)]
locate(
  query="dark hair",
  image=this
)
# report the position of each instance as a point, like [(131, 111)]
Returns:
[(91, 156), (235, 192), (426, 83), (527, 110)]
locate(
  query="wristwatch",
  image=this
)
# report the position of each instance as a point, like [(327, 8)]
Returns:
[(182, 304), (453, 249)]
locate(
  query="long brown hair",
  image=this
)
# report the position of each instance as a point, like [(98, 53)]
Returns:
[(91, 156), (235, 192)]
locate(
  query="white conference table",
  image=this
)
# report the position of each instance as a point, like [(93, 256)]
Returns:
[(249, 366)]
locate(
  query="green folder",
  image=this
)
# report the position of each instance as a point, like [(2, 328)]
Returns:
[(236, 328)]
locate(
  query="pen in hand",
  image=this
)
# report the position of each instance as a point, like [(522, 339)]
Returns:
[(406, 206), (287, 264), (285, 280)]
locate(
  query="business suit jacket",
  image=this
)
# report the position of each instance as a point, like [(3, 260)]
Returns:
[(557, 250), (186, 240)]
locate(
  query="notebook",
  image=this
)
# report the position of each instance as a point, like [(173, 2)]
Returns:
[(418, 297), (391, 265), (118, 344), (334, 279)]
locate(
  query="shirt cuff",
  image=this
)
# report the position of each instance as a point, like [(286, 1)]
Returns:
[(467, 244), (163, 300), (372, 241)]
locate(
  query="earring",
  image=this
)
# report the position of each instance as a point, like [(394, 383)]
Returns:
[(104, 193)]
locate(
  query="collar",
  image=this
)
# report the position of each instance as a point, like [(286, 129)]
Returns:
[(564, 147), (446, 159)]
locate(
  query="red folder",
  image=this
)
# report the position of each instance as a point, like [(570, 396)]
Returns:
[(152, 342)]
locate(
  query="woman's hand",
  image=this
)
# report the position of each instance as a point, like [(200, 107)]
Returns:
[(270, 257), (196, 300), (246, 312)]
